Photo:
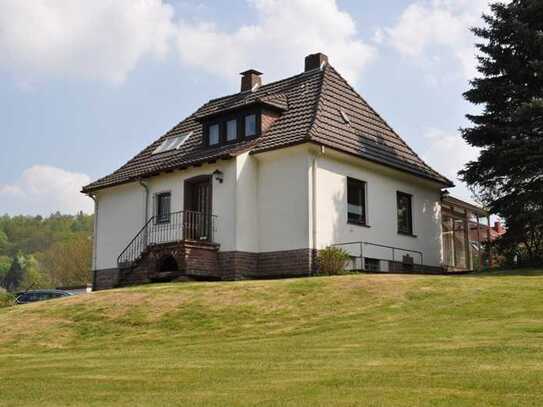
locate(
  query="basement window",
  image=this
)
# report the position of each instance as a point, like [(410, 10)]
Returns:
[(172, 143)]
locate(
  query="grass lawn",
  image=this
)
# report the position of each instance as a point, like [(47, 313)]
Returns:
[(359, 340)]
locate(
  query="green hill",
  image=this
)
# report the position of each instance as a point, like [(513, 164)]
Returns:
[(368, 340)]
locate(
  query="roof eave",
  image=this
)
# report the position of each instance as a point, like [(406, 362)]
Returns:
[(443, 181), (88, 189)]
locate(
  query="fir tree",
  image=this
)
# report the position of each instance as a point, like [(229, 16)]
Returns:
[(508, 175)]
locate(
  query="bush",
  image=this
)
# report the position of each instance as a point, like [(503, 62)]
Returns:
[(6, 300), (332, 261)]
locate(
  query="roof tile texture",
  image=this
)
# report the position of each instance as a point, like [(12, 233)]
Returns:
[(310, 105)]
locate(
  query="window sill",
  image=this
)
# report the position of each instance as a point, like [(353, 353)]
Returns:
[(352, 222), (407, 234)]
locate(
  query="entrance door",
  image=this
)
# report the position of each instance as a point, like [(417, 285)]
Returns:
[(197, 220)]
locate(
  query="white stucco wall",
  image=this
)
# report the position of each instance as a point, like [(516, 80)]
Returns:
[(119, 217), (382, 184), (283, 196), (246, 204), (266, 204)]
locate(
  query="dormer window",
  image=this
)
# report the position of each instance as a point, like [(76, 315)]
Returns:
[(214, 134), (231, 130), (232, 127), (250, 125)]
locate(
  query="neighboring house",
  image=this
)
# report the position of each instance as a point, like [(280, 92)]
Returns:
[(488, 233), (253, 184)]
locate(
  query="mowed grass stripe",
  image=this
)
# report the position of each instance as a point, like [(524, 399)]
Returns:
[(369, 340)]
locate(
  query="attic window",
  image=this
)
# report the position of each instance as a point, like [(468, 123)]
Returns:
[(172, 143), (345, 116)]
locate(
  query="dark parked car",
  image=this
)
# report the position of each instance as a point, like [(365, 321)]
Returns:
[(40, 295)]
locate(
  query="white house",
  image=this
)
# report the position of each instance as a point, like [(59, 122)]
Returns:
[(254, 184)]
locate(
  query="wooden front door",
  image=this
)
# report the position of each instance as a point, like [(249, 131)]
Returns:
[(197, 223)]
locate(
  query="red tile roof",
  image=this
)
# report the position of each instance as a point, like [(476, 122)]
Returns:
[(311, 105)]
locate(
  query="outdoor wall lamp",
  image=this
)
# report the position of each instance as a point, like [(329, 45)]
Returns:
[(219, 175)]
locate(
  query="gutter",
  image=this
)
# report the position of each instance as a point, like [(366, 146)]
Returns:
[(446, 183), (314, 199)]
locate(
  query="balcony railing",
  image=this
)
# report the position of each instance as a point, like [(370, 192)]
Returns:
[(172, 227)]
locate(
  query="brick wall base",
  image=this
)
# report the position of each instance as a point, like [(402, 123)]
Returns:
[(236, 265), (399, 267), (286, 263), (202, 260), (105, 278)]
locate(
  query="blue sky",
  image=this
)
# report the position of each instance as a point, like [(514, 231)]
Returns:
[(94, 82)]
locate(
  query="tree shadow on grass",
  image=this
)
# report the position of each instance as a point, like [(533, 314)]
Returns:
[(523, 272)]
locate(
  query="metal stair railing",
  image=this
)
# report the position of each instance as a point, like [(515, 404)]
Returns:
[(358, 252)]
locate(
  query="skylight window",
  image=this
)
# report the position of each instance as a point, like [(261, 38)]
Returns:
[(345, 116), (172, 143)]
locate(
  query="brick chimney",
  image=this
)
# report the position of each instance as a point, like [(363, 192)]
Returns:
[(314, 61), (249, 79)]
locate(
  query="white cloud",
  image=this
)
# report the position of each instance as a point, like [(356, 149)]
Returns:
[(447, 153), (98, 39), (283, 33), (43, 189), (434, 32), (106, 39)]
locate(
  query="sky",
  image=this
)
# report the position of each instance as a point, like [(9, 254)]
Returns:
[(86, 85)]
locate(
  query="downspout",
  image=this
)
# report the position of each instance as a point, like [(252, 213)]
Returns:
[(314, 203), (314, 191), (146, 217), (94, 238)]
